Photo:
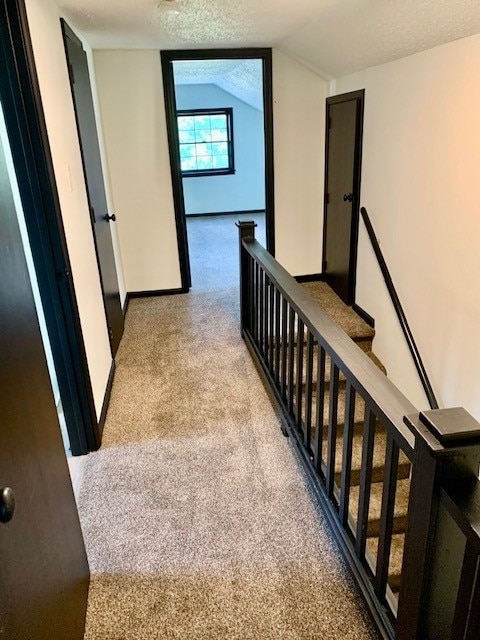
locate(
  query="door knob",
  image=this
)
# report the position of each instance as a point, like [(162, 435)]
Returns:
[(113, 217), (7, 504), (348, 197)]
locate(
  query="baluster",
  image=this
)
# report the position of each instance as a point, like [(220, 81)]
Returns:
[(365, 482), (277, 336), (252, 294), (332, 428), (317, 452), (284, 347), (387, 515), (266, 291), (291, 359), (261, 317), (256, 305), (347, 453), (300, 335), (271, 317), (308, 392)]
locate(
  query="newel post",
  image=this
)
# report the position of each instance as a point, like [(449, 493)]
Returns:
[(447, 447), (246, 231)]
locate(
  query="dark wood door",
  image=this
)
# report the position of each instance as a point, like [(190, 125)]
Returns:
[(44, 573), (92, 165), (342, 192)]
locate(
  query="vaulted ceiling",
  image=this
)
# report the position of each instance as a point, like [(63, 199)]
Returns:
[(334, 37)]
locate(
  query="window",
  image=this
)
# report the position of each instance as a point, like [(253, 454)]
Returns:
[(206, 142)]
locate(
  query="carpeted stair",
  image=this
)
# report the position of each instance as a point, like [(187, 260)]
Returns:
[(362, 334)]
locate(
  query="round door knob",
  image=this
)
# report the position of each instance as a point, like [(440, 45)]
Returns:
[(7, 504), (348, 197), (113, 217)]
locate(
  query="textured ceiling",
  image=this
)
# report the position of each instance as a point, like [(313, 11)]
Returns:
[(333, 36), (241, 78)]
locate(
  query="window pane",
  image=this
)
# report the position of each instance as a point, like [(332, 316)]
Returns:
[(220, 148), (220, 162), (204, 162), (187, 150), (189, 164), (203, 135), (218, 122), (185, 123), (202, 122), (186, 136), (204, 149), (219, 135)]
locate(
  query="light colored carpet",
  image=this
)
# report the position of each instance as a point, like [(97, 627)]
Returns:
[(213, 246), (197, 518)]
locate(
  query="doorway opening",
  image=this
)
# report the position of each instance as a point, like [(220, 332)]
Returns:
[(219, 119)]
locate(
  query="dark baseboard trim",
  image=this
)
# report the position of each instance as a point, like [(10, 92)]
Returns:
[(364, 315), (156, 292), (106, 400), (311, 277), (224, 213), (125, 304)]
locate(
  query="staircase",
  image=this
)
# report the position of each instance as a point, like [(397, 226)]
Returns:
[(362, 334)]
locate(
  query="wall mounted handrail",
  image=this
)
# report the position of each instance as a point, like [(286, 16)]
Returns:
[(400, 312)]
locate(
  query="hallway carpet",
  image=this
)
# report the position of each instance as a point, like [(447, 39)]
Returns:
[(197, 519)]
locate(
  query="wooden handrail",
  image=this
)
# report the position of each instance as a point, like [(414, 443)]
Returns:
[(291, 339), (388, 401), (412, 345)]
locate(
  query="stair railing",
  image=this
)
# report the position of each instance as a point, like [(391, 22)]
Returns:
[(402, 318), (313, 370)]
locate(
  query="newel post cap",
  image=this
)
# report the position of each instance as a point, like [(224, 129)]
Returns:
[(453, 426)]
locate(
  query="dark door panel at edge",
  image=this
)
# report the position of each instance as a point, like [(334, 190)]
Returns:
[(44, 572), (343, 156), (88, 137)]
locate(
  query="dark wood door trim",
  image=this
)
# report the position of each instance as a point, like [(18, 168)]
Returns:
[(359, 97), (167, 57), (25, 121)]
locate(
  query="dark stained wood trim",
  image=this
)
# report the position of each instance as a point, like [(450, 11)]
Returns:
[(106, 399), (167, 58), (364, 315), (225, 213), (156, 292), (125, 304), (310, 277)]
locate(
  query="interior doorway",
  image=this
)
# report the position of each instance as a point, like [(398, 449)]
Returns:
[(344, 122), (219, 119)]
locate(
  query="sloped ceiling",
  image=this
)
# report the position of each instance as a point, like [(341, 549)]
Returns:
[(240, 78), (335, 37)]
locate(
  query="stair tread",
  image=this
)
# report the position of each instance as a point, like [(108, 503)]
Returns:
[(339, 312), (374, 514)]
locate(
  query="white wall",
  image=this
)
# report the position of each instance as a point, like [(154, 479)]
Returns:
[(44, 22), (130, 91), (299, 142), (245, 189), (421, 169)]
